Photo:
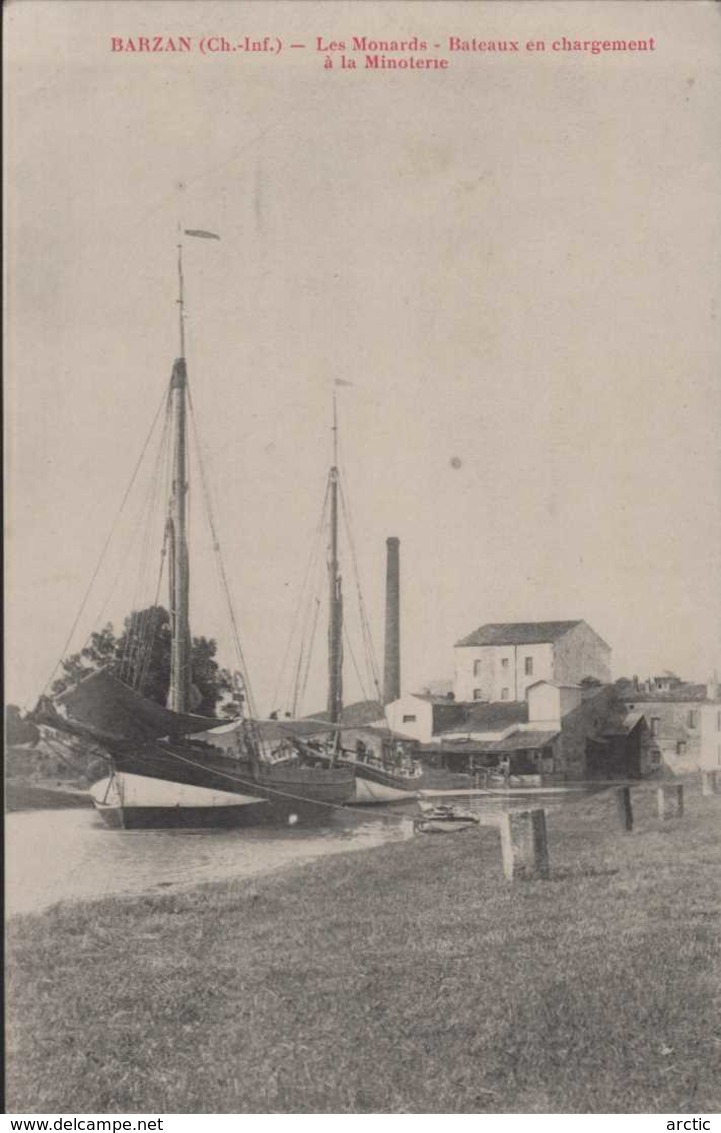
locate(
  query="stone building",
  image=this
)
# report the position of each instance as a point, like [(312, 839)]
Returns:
[(501, 661), (559, 732), (674, 718), (421, 716), (710, 745)]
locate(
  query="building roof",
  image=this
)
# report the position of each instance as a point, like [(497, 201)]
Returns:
[(625, 726), (433, 697), (488, 717), (355, 715), (524, 741), (558, 684), (273, 731), (461, 745), (685, 692), (518, 633)]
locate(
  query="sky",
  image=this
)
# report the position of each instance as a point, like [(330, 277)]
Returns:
[(514, 262)]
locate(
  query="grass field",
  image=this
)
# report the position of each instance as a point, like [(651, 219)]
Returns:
[(408, 979)]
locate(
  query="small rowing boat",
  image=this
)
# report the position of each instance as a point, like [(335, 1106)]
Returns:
[(443, 819)]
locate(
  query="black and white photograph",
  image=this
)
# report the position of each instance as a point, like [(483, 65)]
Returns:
[(363, 545)]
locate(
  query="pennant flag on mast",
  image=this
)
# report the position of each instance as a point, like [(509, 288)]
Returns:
[(202, 234), (342, 382)]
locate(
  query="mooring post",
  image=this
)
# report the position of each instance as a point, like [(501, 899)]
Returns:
[(670, 800), (624, 809), (710, 783), (524, 845)]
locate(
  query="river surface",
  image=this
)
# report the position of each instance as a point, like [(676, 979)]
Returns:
[(69, 855)]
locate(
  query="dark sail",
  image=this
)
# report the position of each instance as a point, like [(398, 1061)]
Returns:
[(107, 706)]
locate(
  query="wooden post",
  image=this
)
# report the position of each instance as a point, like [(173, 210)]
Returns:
[(670, 800), (523, 845), (624, 809), (710, 783)]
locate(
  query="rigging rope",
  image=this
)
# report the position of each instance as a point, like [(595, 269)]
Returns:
[(307, 634), (355, 664), (365, 625), (311, 643), (155, 626), (253, 784), (104, 550), (302, 668), (220, 562), (307, 595), (137, 529), (141, 627)]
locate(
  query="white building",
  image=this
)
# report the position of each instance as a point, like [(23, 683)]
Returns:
[(420, 716), (710, 759), (501, 661)]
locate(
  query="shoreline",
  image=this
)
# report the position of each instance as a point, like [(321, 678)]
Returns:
[(412, 977), (43, 794), (256, 852)]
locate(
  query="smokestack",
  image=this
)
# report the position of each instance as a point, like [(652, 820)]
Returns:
[(392, 665)]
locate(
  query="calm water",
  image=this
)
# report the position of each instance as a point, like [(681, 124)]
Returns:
[(69, 855)]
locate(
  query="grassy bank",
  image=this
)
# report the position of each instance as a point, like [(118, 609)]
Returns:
[(38, 795), (411, 978)]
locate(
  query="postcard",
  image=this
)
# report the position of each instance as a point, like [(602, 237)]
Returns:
[(363, 498)]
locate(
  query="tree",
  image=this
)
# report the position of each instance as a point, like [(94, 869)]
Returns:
[(234, 705), (211, 682), (141, 657), (626, 686), (143, 652), (18, 729), (99, 651)]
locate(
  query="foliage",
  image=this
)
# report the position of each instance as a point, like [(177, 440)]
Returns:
[(211, 682), (140, 655), (19, 730), (99, 651), (234, 706), (143, 652), (625, 686)]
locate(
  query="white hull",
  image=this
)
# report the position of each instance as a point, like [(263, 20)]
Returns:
[(127, 800), (124, 789), (366, 791)]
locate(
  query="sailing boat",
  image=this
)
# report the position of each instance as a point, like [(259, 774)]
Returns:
[(167, 766), (382, 764)]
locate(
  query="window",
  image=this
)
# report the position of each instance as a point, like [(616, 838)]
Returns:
[(504, 694), (692, 718), (476, 668), (504, 662), (478, 694), (528, 666), (655, 721), (681, 747), (409, 719)]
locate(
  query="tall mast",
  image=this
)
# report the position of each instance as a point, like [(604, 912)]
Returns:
[(392, 652), (179, 695), (335, 617)]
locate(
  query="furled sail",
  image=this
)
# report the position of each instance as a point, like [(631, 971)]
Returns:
[(108, 707)]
